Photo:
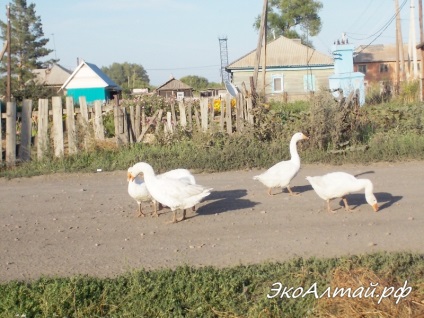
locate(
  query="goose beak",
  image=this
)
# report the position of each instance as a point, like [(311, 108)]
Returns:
[(130, 177), (375, 207), (305, 137)]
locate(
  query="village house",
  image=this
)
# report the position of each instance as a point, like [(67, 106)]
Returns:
[(52, 77), (175, 89), (378, 63), (293, 70), (89, 81)]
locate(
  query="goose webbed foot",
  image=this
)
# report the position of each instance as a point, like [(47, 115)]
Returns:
[(184, 216), (329, 209), (291, 192), (140, 212), (347, 205), (174, 219)]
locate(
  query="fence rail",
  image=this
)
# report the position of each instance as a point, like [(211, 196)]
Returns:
[(65, 129)]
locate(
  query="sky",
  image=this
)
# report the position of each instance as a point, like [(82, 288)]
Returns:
[(181, 37)]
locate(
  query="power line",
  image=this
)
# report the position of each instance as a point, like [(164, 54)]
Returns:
[(384, 28), (181, 68)]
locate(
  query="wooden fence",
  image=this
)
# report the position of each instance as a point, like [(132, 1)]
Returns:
[(65, 129)]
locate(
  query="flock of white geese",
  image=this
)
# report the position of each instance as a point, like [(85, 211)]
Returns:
[(177, 189)]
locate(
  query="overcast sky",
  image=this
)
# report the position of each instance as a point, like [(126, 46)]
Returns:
[(181, 37)]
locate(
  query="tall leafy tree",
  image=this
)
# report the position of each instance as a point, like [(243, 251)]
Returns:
[(127, 75), (196, 82), (27, 45), (289, 17)]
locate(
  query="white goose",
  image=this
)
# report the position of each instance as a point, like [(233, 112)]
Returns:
[(338, 185), (138, 191), (280, 174), (173, 193)]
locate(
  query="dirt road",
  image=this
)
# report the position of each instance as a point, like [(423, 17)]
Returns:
[(66, 224)]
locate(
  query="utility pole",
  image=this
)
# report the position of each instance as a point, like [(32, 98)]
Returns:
[(412, 44), (397, 53), (9, 59), (400, 43), (420, 14), (261, 39)]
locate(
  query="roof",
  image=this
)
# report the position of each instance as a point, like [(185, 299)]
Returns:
[(284, 52), (379, 53), (55, 75), (88, 75), (173, 84)]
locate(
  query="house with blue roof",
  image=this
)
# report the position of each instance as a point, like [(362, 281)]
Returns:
[(89, 81)]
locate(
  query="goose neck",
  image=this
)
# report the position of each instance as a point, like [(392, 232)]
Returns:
[(293, 150)]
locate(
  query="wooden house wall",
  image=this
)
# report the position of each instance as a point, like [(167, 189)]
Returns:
[(293, 81), (173, 93)]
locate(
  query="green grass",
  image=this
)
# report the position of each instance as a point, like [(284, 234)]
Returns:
[(239, 291)]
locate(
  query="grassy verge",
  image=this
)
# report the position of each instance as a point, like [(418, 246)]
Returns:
[(213, 154), (242, 291)]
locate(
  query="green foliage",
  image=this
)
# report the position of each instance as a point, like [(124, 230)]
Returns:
[(198, 83), (339, 133), (239, 291), (28, 44), (285, 15), (128, 76)]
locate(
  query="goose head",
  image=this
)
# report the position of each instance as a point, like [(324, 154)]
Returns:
[(371, 200), (142, 168), (299, 136), (130, 175)]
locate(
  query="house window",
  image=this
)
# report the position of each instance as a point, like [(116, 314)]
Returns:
[(309, 83), (384, 68), (180, 96), (362, 68), (277, 84)]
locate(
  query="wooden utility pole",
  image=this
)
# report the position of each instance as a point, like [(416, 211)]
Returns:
[(397, 52), (261, 39), (9, 59), (420, 13), (399, 43)]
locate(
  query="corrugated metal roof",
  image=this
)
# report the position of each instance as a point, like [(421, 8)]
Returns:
[(284, 52), (380, 53), (173, 84), (54, 76)]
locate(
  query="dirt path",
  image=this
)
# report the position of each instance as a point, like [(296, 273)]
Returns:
[(68, 224)]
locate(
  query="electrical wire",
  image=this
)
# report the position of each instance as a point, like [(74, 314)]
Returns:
[(181, 68), (384, 28)]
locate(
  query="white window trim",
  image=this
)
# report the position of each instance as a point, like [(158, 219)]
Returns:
[(282, 83)]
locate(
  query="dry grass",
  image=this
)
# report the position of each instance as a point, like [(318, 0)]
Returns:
[(349, 307)]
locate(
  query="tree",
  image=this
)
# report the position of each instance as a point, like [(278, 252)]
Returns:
[(286, 17), (27, 44), (127, 75), (196, 82)]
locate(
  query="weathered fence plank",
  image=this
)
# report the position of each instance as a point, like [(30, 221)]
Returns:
[(221, 115), (99, 129), (57, 130), (70, 126), (1, 139), (137, 121), (228, 114), (85, 132), (147, 125), (183, 117), (24, 152), (10, 133), (43, 127), (204, 113)]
